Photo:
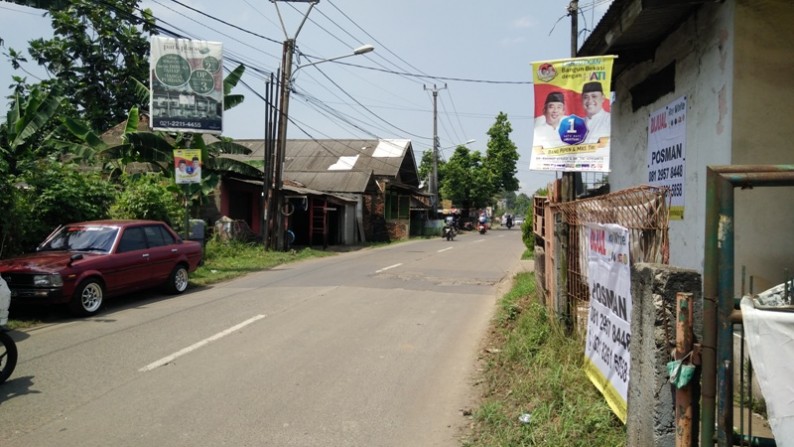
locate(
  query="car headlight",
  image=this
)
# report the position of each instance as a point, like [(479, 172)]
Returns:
[(51, 280)]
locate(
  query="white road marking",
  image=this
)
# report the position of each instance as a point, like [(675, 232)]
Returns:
[(195, 346), (444, 249), (479, 240), (389, 267)]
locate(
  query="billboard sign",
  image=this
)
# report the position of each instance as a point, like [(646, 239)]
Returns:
[(186, 84)]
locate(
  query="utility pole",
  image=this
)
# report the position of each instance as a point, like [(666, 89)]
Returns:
[(281, 137), (283, 118), (562, 229), (569, 179), (434, 177)]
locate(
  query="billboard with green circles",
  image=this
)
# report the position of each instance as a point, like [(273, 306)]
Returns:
[(186, 84)]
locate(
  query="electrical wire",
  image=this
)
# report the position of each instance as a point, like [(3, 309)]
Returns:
[(437, 78)]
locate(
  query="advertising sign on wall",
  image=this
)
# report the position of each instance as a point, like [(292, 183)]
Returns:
[(187, 164), (186, 84), (607, 360), (667, 152), (572, 114)]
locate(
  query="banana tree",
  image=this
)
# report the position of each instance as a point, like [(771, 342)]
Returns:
[(25, 136), (156, 148)]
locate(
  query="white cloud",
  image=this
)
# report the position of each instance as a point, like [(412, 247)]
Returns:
[(524, 22), (511, 41)]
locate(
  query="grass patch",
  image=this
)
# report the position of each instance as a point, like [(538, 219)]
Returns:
[(228, 260), (532, 366)]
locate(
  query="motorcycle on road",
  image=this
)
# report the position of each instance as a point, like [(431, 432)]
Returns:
[(449, 231)]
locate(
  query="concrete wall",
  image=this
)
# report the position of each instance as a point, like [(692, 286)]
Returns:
[(733, 62), (702, 51), (651, 400), (763, 132)]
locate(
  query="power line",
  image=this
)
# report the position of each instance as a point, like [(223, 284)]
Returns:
[(440, 78), (270, 39)]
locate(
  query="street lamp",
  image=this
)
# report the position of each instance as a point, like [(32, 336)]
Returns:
[(364, 49)]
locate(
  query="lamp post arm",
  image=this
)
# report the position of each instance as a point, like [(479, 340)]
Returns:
[(358, 51)]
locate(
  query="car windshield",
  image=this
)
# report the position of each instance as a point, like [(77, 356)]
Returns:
[(82, 238)]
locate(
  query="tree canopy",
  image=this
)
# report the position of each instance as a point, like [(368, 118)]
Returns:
[(93, 58), (472, 180), (502, 155)]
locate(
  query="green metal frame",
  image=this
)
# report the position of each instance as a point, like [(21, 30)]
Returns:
[(718, 293)]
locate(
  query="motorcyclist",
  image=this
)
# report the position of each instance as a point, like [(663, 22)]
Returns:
[(482, 222), (450, 227)]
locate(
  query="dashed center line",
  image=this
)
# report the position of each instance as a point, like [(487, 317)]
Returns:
[(389, 267), (193, 347)]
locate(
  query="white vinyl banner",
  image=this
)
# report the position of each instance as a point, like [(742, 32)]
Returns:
[(607, 361), (769, 334), (667, 152)]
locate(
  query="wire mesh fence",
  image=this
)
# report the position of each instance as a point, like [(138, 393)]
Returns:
[(643, 210)]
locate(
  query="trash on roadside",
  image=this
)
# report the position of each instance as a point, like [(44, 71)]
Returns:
[(525, 418)]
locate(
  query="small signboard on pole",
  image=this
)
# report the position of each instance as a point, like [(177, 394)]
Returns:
[(187, 163)]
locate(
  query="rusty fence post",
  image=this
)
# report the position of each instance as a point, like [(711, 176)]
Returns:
[(683, 348)]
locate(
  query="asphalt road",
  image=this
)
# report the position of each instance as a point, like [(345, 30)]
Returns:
[(376, 347)]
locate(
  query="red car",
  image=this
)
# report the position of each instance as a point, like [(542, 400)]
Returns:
[(83, 263)]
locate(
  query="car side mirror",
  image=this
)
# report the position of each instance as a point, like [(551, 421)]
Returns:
[(75, 257)]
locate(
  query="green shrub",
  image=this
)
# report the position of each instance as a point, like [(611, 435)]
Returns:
[(49, 194), (147, 196), (527, 235)]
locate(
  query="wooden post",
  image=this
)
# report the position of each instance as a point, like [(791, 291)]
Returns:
[(683, 346)]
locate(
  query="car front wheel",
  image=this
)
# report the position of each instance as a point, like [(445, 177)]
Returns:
[(178, 281), (87, 299)]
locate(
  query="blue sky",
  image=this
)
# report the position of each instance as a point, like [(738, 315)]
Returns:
[(477, 54)]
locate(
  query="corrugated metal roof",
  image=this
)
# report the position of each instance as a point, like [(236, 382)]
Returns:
[(632, 29), (303, 191), (350, 182), (342, 165), (382, 157)]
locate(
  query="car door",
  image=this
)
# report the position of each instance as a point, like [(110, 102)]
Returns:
[(163, 252), (130, 261)]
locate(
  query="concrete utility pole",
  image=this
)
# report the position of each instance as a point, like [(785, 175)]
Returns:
[(569, 179), (433, 187), (281, 146), (286, 75)]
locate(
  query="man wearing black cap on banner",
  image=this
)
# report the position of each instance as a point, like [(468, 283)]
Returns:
[(547, 126), (597, 119)]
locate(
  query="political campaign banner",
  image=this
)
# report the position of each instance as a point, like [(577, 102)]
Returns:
[(572, 124), (186, 84), (607, 361), (187, 166), (667, 152)]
